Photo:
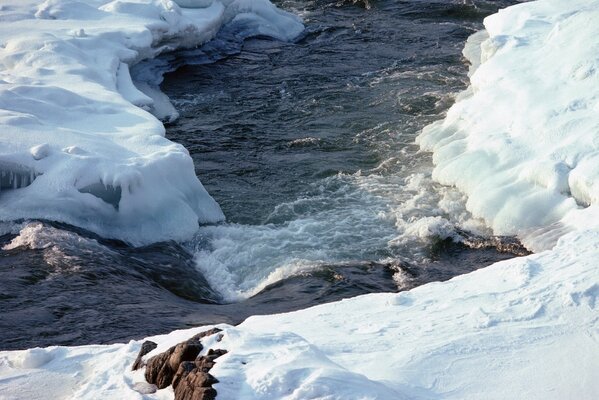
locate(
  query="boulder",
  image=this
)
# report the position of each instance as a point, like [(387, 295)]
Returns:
[(146, 347)]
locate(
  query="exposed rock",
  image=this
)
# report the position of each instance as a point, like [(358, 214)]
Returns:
[(146, 347), (181, 367), (158, 370), (186, 351), (197, 385), (205, 363), (184, 369)]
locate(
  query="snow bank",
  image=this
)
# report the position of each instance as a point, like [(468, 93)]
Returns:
[(78, 141), (523, 328), (521, 142)]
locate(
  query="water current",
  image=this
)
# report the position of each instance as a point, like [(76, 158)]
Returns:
[(309, 149)]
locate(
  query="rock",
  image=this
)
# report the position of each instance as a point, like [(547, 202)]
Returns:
[(197, 385), (186, 351), (146, 347), (181, 367), (158, 370), (184, 369), (145, 388), (205, 363), (161, 369)]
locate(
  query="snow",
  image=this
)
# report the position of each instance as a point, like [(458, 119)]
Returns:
[(520, 143), (525, 328), (78, 141)]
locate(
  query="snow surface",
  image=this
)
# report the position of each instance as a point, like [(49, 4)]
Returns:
[(520, 143), (78, 141), (524, 328)]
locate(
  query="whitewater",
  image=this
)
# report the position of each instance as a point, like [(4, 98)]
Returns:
[(519, 142)]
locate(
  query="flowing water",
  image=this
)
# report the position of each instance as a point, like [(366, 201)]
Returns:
[(309, 149)]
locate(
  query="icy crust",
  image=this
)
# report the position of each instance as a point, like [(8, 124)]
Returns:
[(78, 141), (521, 142), (524, 328)]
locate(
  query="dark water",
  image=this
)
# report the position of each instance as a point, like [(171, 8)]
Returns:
[(308, 147)]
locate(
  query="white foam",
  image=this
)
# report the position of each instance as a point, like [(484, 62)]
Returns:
[(343, 219)]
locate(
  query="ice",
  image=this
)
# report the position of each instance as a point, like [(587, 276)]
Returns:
[(520, 142), (78, 141)]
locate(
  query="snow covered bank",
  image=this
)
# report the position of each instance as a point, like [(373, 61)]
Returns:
[(78, 142), (522, 141), (525, 328)]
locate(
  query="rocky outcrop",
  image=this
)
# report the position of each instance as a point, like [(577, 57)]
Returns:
[(161, 369), (146, 347), (181, 367)]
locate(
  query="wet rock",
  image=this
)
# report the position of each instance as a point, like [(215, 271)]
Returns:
[(146, 347)]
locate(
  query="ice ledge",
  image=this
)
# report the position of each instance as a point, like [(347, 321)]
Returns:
[(521, 141), (78, 141)]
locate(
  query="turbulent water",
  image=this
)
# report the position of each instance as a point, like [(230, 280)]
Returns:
[(309, 149)]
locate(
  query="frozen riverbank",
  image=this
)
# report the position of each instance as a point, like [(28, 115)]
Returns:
[(78, 141)]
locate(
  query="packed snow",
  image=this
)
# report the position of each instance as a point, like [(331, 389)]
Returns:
[(520, 143), (80, 139)]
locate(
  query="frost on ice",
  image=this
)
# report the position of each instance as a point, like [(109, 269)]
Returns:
[(80, 141)]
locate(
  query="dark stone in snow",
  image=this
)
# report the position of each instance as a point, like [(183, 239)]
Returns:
[(161, 369), (181, 367), (146, 347), (197, 385)]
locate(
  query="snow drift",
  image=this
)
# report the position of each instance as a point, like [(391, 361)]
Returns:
[(78, 141)]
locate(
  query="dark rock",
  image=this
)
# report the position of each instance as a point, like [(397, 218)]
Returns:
[(146, 347), (186, 351), (205, 363), (158, 370), (161, 369), (196, 385), (181, 367), (184, 369)]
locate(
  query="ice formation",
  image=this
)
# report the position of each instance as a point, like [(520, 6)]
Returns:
[(78, 141), (521, 142)]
